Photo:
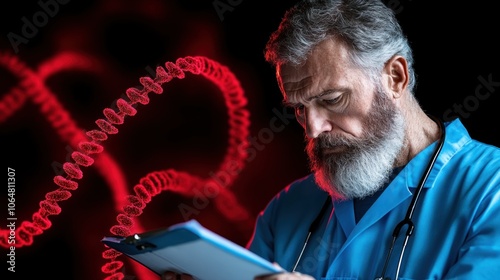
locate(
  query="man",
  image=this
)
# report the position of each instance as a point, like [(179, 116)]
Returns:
[(378, 161)]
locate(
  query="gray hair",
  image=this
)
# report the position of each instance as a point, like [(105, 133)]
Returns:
[(368, 27)]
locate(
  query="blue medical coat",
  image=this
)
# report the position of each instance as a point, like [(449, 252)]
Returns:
[(457, 221)]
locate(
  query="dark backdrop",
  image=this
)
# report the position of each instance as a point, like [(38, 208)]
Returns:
[(455, 47)]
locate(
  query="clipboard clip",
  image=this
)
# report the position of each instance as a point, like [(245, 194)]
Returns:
[(133, 239), (136, 240)]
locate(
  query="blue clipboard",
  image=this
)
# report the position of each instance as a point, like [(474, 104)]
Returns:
[(193, 249)]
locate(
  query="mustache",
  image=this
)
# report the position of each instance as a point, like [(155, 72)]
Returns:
[(330, 141)]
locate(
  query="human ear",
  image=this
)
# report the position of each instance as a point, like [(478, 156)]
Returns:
[(395, 75)]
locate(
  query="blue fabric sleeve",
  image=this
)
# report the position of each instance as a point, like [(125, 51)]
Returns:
[(262, 240), (479, 256)]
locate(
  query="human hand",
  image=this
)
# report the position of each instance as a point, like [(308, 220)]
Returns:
[(170, 275), (285, 276)]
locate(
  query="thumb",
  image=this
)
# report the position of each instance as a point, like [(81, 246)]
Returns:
[(268, 276), (278, 266)]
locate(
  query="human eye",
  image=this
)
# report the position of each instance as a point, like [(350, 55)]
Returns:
[(331, 99), (299, 109)]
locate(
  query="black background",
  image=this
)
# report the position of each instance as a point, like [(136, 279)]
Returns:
[(185, 127)]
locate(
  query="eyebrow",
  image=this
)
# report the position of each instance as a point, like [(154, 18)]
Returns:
[(321, 94)]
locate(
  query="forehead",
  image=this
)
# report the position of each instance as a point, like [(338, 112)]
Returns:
[(331, 51), (328, 65)]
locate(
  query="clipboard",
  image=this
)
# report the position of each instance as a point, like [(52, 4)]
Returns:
[(190, 248)]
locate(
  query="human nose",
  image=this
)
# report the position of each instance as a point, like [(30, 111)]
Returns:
[(316, 122)]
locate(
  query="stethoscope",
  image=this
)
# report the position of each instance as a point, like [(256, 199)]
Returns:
[(407, 221)]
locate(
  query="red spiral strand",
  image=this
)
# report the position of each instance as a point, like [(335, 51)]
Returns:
[(170, 180), (32, 87)]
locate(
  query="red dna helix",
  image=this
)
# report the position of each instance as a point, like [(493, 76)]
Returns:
[(32, 87), (89, 149), (170, 180)]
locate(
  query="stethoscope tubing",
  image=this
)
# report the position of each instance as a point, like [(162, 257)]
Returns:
[(411, 208)]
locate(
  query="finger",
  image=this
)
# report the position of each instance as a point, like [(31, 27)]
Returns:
[(301, 276), (266, 277), (277, 265), (285, 276), (186, 277), (169, 275)]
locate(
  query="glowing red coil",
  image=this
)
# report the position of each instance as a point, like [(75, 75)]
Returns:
[(31, 87), (171, 180), (89, 144)]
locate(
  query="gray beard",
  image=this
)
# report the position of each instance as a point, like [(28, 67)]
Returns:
[(366, 163)]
